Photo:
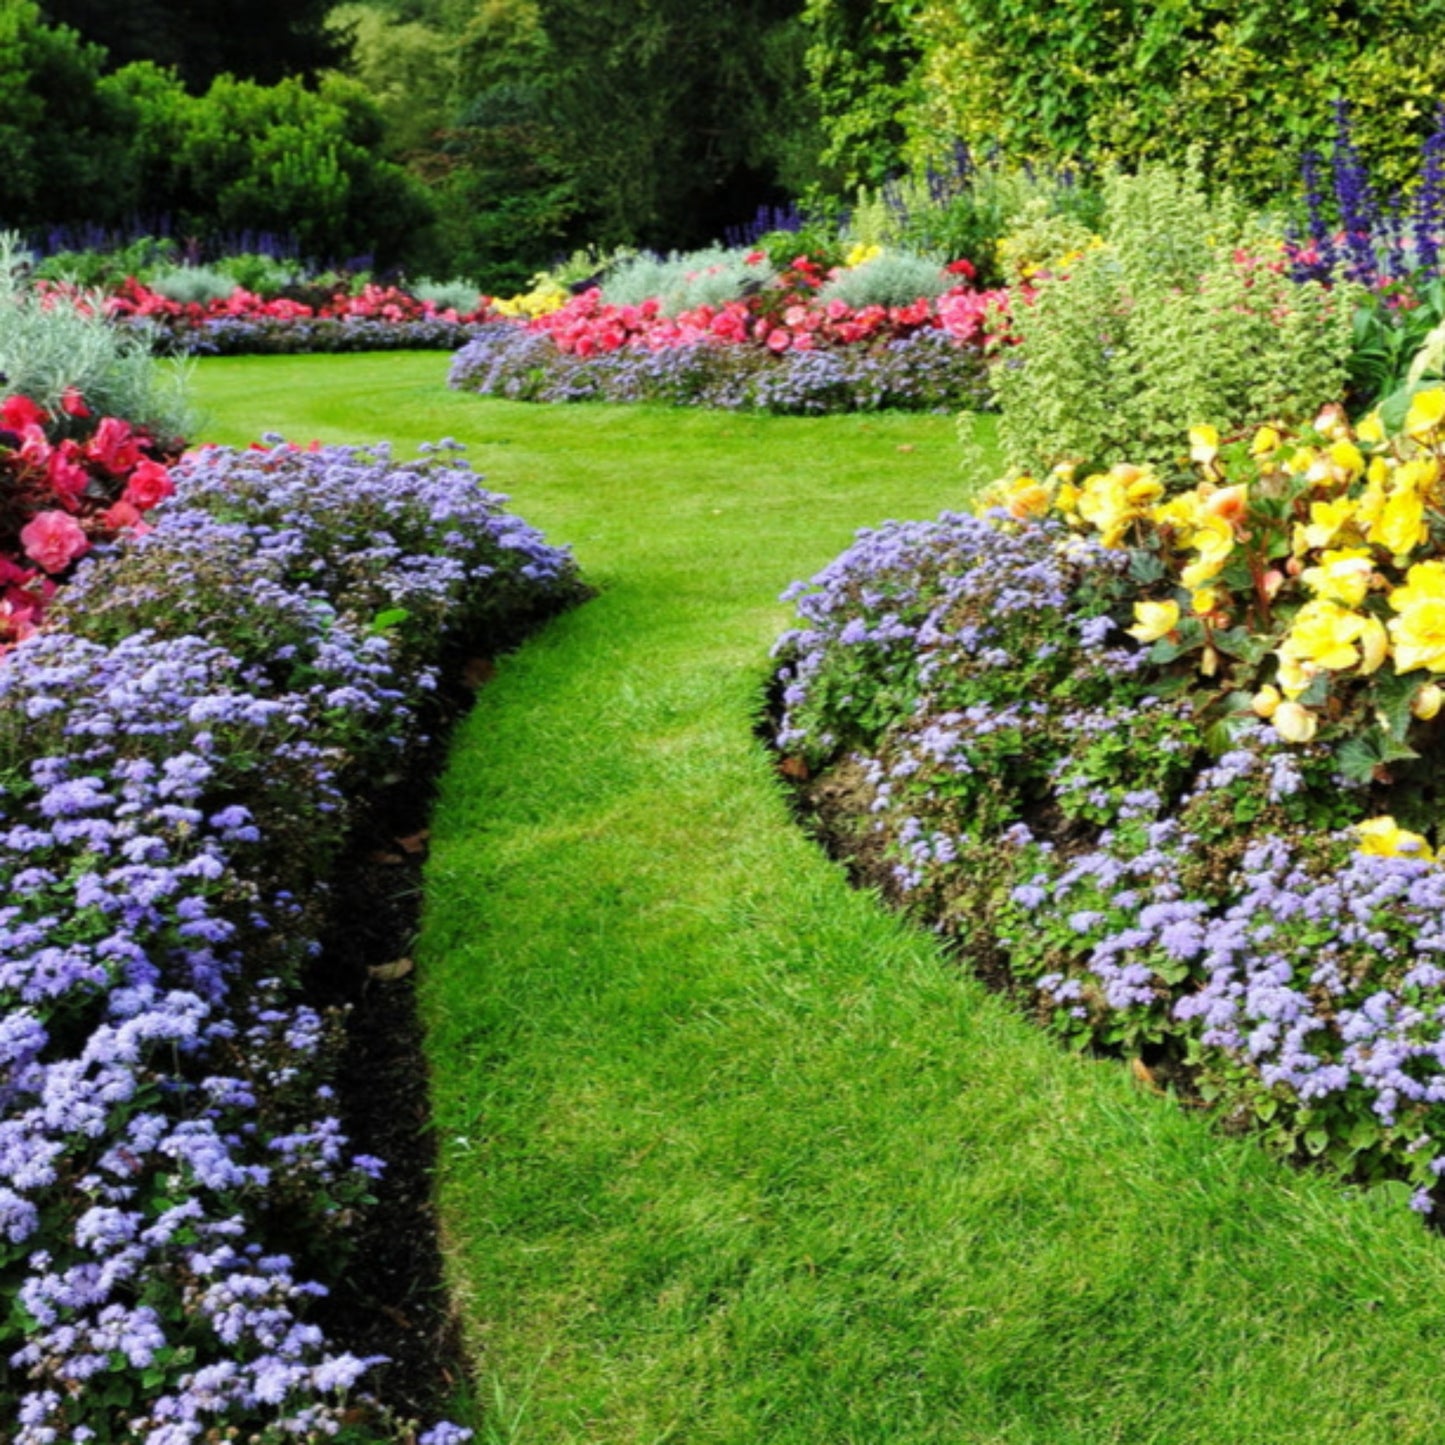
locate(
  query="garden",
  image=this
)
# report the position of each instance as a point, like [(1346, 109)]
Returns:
[(542, 899)]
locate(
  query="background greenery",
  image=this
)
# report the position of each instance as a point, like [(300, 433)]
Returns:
[(487, 137)]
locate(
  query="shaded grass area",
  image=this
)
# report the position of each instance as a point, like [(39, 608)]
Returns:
[(729, 1154)]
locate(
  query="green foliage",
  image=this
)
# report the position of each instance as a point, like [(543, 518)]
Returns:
[(263, 275), (896, 278), (969, 211), (280, 158), (107, 269), (47, 349), (863, 62), (1089, 79), (459, 296), (1163, 327), (62, 134), (683, 280), (193, 284)]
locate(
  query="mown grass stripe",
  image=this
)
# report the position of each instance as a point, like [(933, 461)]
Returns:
[(730, 1154)]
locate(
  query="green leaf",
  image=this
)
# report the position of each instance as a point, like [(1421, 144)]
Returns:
[(1364, 1134), (1317, 1141), (1239, 642), (1266, 1108)]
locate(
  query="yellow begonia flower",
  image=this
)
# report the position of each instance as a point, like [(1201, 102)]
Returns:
[(1181, 513), (1347, 459), (1326, 519), (1427, 411), (1154, 620), (1417, 475), (1295, 676), (1424, 582), (1419, 636), (1295, 724), (1266, 701), (1427, 702), (1374, 645), (1401, 523), (1266, 440), (861, 254), (1342, 576), (1027, 498), (1384, 838), (1324, 633), (1203, 444), (1371, 431), (1204, 601)]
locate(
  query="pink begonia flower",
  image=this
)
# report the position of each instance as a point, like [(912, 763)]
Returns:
[(119, 515), (114, 446), (149, 483), (67, 478), (54, 540), (19, 412), (779, 340), (73, 404)]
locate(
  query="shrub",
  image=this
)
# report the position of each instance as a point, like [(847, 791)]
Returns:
[(1144, 83), (459, 296), (1171, 754), (894, 278), (181, 756), (49, 350), (1184, 312), (681, 282), (193, 285)]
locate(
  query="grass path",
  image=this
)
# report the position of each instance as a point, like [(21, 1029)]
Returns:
[(730, 1154)]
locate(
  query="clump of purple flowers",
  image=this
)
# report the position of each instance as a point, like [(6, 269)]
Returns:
[(180, 755), (1150, 887), (925, 371)]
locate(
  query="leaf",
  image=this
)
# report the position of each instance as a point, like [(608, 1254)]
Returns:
[(414, 843), (1394, 693), (1317, 1140), (1239, 642), (795, 768), (390, 972), (1266, 1108)]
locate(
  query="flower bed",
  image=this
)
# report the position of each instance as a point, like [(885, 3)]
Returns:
[(182, 749), (786, 347), (377, 318), (1165, 753)]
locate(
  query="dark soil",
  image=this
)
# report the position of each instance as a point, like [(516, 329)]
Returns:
[(392, 1298)]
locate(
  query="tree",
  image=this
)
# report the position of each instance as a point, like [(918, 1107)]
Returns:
[(262, 40), (63, 138)]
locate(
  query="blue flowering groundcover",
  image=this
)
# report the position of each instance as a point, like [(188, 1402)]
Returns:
[(181, 752)]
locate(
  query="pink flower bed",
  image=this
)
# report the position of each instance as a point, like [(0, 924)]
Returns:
[(793, 317), (134, 300)]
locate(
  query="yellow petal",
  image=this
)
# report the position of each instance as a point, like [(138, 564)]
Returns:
[(1427, 410), (1266, 701), (1154, 620), (1295, 724), (1427, 702)]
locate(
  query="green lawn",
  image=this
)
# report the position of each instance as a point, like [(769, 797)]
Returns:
[(729, 1153)]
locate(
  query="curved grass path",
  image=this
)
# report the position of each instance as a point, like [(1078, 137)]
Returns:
[(730, 1154)]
